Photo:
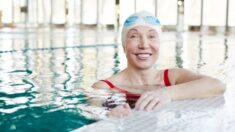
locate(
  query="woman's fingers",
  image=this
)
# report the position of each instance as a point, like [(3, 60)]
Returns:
[(152, 105), (153, 99), (127, 106), (144, 102), (158, 106), (127, 109), (120, 111), (147, 104)]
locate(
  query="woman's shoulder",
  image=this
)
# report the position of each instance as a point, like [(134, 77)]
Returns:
[(181, 75), (105, 83), (180, 71), (176, 71), (168, 71), (173, 74), (100, 84)]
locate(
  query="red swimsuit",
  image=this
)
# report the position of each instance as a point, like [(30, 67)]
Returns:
[(131, 96)]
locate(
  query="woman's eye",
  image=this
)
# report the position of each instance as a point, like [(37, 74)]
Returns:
[(133, 36), (152, 36)]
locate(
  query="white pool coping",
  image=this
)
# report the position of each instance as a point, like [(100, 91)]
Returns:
[(187, 115)]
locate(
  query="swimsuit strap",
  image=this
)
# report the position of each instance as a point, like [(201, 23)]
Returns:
[(166, 78), (109, 83), (166, 81), (112, 86)]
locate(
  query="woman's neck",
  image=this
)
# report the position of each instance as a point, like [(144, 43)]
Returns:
[(139, 77)]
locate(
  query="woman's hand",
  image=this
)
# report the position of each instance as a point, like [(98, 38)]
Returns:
[(120, 111), (153, 99)]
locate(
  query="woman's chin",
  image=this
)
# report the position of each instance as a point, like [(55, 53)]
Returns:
[(143, 66)]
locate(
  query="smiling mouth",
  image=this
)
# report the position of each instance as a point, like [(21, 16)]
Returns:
[(143, 56)]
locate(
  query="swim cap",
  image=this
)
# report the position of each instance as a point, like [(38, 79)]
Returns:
[(140, 19)]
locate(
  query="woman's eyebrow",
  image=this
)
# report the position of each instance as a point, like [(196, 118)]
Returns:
[(133, 30), (152, 30)]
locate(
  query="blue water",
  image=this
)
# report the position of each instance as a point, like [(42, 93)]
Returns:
[(43, 83), (40, 89)]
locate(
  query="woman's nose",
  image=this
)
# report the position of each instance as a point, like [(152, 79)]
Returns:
[(144, 44)]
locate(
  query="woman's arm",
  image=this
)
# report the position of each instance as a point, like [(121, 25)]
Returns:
[(184, 85), (100, 85), (115, 110), (189, 85)]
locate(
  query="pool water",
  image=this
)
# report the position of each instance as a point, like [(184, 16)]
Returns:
[(44, 87), (41, 89)]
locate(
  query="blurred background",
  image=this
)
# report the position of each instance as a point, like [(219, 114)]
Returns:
[(174, 14), (52, 51)]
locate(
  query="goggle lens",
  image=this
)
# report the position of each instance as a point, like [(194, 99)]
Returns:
[(149, 19)]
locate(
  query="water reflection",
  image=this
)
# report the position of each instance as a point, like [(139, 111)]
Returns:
[(200, 54), (179, 51), (225, 49), (116, 59), (50, 81)]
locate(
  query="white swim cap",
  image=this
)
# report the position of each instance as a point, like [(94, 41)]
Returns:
[(140, 19)]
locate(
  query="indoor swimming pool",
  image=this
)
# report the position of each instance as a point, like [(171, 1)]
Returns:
[(45, 76)]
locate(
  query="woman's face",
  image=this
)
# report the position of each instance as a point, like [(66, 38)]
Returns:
[(142, 47)]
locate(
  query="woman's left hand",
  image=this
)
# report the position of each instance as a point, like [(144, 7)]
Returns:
[(153, 99)]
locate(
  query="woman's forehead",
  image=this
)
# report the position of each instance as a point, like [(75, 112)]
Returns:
[(142, 28)]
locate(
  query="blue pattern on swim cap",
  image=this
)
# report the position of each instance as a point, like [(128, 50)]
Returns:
[(130, 20), (152, 20)]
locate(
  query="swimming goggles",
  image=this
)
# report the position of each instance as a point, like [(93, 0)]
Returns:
[(136, 19)]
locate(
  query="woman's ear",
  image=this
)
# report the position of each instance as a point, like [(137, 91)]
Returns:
[(124, 48)]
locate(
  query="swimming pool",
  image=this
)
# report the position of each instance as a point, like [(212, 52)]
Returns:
[(44, 76)]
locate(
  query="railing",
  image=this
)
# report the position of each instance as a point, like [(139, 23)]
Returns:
[(113, 12)]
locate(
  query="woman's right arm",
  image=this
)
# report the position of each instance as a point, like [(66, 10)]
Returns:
[(100, 85), (120, 110)]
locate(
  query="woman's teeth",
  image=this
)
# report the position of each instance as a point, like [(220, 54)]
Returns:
[(143, 55)]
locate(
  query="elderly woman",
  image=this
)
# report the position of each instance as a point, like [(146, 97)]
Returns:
[(148, 87)]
